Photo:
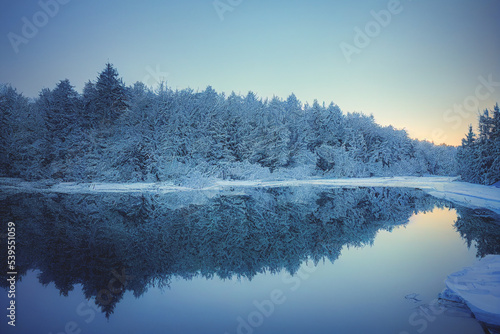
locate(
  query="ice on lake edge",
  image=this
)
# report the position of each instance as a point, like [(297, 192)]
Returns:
[(448, 188), (478, 287)]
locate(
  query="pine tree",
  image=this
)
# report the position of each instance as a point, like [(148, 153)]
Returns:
[(62, 114), (468, 158), (111, 97), (89, 116), (334, 125), (495, 139), (270, 137), (315, 134), (294, 120), (485, 147), (12, 105)]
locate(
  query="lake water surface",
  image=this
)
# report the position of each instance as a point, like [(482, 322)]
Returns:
[(263, 260)]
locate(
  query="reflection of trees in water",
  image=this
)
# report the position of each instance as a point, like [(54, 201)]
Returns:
[(480, 227), (150, 238)]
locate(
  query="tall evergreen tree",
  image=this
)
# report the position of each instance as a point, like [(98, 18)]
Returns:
[(63, 110), (12, 106), (495, 139), (89, 116), (467, 157), (111, 97), (485, 147), (478, 158)]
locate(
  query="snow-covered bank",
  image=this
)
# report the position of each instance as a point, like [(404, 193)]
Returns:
[(466, 194), (478, 287), (463, 193)]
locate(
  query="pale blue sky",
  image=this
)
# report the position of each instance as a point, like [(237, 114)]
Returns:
[(426, 60)]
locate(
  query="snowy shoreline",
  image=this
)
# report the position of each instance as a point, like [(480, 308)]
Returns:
[(478, 286), (448, 188)]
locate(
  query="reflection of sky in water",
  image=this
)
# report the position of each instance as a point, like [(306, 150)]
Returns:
[(362, 292)]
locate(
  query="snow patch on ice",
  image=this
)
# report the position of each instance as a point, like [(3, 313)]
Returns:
[(478, 287)]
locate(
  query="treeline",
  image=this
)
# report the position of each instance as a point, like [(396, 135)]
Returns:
[(479, 156), (112, 132)]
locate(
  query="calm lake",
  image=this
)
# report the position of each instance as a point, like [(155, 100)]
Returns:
[(254, 260)]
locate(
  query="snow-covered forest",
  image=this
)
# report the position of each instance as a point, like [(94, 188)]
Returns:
[(114, 132), (479, 156)]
